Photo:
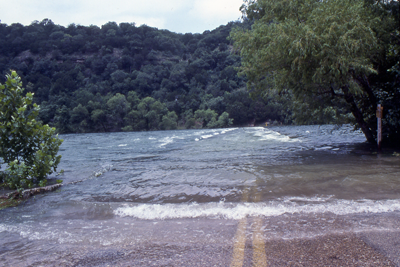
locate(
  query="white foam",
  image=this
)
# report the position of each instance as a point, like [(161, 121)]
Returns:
[(241, 210), (167, 140), (275, 136), (212, 133), (309, 199), (269, 135), (324, 148), (123, 145), (228, 130)]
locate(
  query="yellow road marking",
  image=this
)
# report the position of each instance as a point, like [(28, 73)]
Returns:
[(240, 238), (239, 246), (259, 256)]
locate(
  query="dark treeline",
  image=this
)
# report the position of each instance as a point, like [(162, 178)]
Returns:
[(123, 77)]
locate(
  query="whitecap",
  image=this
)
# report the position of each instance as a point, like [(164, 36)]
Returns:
[(241, 210)]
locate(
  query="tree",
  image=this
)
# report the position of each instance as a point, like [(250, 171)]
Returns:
[(118, 107), (151, 112), (26, 146), (78, 119), (206, 118), (318, 50), (99, 117), (224, 120), (169, 121)]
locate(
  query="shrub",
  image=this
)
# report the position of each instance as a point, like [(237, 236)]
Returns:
[(27, 147)]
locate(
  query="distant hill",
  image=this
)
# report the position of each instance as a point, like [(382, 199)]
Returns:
[(123, 77)]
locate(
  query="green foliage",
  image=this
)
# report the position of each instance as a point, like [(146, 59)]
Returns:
[(26, 146), (169, 121), (205, 117), (322, 52), (307, 45), (101, 79), (224, 120)]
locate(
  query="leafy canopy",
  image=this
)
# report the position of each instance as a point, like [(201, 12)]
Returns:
[(319, 50), (306, 44), (27, 147)]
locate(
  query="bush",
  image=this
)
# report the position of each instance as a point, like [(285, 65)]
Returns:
[(27, 147)]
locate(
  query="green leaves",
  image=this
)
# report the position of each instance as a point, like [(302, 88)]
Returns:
[(326, 54), (306, 42), (28, 147)]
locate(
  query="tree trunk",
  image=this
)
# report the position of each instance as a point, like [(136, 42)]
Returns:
[(363, 82), (358, 115)]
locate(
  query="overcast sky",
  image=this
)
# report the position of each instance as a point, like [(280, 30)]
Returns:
[(180, 16)]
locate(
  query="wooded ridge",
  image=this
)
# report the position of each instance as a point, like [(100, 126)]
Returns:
[(123, 77)]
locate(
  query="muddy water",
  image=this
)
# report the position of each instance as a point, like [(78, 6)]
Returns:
[(170, 193)]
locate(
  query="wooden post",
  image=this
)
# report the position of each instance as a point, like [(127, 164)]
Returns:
[(379, 116)]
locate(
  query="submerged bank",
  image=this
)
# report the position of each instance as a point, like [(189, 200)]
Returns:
[(12, 198)]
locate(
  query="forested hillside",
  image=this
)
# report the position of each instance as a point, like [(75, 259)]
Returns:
[(123, 77)]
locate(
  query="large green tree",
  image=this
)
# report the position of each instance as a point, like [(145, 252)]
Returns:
[(322, 52)]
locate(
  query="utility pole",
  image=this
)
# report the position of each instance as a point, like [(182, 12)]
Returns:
[(379, 116)]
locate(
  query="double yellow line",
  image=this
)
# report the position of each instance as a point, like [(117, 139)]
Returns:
[(259, 256)]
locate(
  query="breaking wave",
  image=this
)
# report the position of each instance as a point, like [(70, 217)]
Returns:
[(241, 210)]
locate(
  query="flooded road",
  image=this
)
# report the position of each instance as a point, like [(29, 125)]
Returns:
[(206, 197)]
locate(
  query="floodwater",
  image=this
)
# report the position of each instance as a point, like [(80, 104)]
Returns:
[(177, 194)]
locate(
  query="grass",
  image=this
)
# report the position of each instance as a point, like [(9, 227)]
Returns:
[(8, 203)]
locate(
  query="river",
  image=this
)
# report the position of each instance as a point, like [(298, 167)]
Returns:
[(170, 193)]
